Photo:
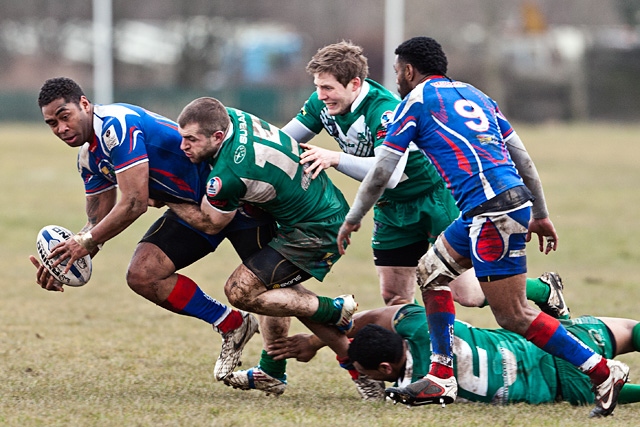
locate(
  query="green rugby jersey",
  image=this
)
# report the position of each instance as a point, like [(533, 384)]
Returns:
[(363, 128), (259, 164), (491, 365)]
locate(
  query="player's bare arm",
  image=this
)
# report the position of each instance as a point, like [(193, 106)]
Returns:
[(218, 219), (205, 217), (527, 170), (197, 218), (540, 223), (302, 347), (134, 195), (98, 206)]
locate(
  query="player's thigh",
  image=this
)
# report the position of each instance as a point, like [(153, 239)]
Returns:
[(397, 284), (251, 239), (311, 246), (466, 290), (148, 264), (508, 300), (273, 270)]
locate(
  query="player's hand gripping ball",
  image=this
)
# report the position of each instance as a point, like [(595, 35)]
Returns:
[(79, 273)]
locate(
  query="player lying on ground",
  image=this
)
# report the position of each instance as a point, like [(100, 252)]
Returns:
[(127, 148), (491, 365)]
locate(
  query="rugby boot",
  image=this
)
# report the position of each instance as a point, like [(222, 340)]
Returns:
[(233, 343), (256, 379), (348, 306), (607, 393), (428, 390), (555, 305)]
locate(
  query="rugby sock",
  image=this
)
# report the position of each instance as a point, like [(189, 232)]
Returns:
[(326, 311), (630, 393), (537, 290), (188, 299), (346, 364), (440, 316), (232, 321), (635, 337), (548, 334), (275, 368)]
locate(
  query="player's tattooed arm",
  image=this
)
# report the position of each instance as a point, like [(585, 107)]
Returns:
[(97, 207)]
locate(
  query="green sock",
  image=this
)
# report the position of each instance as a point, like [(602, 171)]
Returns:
[(275, 368), (635, 337), (537, 290), (630, 393), (326, 311)]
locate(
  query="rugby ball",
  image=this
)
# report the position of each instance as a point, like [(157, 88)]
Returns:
[(48, 238)]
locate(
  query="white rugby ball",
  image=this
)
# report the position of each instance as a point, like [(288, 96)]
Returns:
[(79, 273)]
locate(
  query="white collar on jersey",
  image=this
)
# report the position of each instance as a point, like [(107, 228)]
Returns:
[(363, 93), (408, 369)]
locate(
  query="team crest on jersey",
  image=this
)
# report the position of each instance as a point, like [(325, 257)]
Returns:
[(214, 186), (240, 154), (486, 139), (386, 118), (110, 138), (106, 169)]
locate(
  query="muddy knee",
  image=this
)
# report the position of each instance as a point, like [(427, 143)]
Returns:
[(437, 268)]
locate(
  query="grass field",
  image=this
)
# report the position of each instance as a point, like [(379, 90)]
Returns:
[(101, 356)]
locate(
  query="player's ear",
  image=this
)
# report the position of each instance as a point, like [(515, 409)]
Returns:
[(409, 72), (385, 368), (85, 104), (218, 135), (356, 82)]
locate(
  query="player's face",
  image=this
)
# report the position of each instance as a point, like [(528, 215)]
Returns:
[(198, 147), (70, 122), (336, 98), (403, 84), (383, 373)]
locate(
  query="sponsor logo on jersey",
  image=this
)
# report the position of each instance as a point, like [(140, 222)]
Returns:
[(448, 84), (240, 154), (110, 138), (242, 129), (213, 187)]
